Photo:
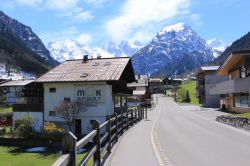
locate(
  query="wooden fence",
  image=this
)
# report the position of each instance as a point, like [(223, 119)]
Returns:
[(103, 141)]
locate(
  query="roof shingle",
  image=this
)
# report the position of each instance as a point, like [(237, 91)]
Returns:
[(106, 69)]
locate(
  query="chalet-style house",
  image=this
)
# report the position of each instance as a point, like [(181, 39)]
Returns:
[(26, 98), (14, 91), (155, 85), (100, 84), (235, 92), (207, 78), (140, 87)]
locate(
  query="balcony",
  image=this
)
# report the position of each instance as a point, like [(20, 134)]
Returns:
[(31, 104), (27, 107), (231, 86)]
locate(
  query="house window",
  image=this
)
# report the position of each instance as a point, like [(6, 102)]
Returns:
[(242, 101), (66, 99), (52, 113), (243, 72), (52, 90), (117, 101)]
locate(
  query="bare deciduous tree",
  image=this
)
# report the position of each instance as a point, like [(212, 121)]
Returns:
[(69, 111)]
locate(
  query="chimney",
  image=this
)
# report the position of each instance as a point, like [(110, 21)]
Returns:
[(85, 58)]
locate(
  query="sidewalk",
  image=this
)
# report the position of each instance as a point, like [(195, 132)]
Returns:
[(134, 148)]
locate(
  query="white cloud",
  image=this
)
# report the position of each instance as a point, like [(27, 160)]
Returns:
[(60, 5), (69, 33), (95, 2), (84, 38), (30, 3), (69, 8), (140, 14), (83, 16)]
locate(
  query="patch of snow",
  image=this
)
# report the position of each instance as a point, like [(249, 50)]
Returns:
[(176, 27), (218, 46), (14, 74), (37, 149)]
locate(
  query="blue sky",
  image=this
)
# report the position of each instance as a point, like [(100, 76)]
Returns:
[(95, 22)]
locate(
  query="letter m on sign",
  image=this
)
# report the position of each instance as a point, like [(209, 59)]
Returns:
[(98, 93), (80, 93)]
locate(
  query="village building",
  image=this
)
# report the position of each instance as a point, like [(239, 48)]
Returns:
[(26, 99), (100, 84), (140, 90), (155, 85), (14, 90), (207, 78), (234, 92)]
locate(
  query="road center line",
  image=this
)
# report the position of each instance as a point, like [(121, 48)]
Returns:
[(159, 152)]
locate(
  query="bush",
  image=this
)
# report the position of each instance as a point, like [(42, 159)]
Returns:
[(51, 128), (187, 99), (23, 127)]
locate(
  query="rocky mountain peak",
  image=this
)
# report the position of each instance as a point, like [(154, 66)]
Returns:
[(25, 34), (172, 45)]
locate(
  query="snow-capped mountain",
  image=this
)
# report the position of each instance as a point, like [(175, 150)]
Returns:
[(70, 49), (173, 51), (122, 49), (218, 46), (24, 34)]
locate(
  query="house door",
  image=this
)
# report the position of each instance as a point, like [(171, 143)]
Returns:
[(78, 126)]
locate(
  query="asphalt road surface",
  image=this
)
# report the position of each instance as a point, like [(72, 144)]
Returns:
[(190, 137)]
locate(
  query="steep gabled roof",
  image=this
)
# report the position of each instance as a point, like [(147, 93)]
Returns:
[(17, 83), (104, 69), (232, 59)]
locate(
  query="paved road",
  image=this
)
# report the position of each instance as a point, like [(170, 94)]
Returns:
[(190, 137)]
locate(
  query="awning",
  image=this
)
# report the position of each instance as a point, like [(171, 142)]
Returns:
[(139, 92)]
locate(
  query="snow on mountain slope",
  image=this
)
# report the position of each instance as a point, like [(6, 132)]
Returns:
[(173, 51), (70, 49), (23, 33), (14, 74), (122, 49), (218, 46)]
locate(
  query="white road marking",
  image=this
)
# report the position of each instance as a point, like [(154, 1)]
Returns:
[(159, 152)]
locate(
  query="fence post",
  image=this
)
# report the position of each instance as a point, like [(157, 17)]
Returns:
[(69, 146), (116, 127), (136, 116), (109, 134), (97, 154), (122, 123), (127, 119), (132, 118), (141, 113)]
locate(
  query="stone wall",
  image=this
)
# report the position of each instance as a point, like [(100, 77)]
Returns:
[(237, 122)]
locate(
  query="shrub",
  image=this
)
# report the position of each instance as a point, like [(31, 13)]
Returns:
[(51, 128), (187, 99), (23, 127)]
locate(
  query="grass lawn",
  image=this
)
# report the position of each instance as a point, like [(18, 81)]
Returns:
[(191, 87), (8, 109), (14, 156), (247, 115), (80, 156)]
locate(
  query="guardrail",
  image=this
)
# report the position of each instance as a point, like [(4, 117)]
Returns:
[(103, 141)]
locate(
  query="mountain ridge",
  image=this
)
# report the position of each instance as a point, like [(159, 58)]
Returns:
[(173, 44)]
